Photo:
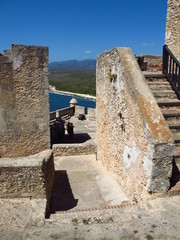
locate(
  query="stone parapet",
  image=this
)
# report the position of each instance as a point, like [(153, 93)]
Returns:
[(133, 140), (90, 112), (86, 148), (31, 176)]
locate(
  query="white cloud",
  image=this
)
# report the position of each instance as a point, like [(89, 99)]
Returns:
[(147, 44), (87, 51)]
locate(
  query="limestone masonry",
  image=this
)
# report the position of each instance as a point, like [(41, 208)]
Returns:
[(133, 140), (30, 176), (173, 27), (24, 101)]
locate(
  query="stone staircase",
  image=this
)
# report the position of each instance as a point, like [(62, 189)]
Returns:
[(170, 107)]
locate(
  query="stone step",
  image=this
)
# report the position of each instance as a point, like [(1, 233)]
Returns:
[(176, 138), (155, 80), (93, 215), (175, 108), (175, 131), (161, 87), (174, 126), (170, 103), (170, 113), (154, 75), (159, 83), (169, 94)]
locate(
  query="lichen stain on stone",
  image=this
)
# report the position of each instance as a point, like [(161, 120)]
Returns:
[(159, 128)]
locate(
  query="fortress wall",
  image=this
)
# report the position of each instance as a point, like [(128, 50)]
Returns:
[(173, 27), (133, 140), (154, 63), (8, 115), (24, 105)]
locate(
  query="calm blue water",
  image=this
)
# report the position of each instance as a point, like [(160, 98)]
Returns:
[(58, 101)]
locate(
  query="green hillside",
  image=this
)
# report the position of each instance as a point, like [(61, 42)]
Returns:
[(74, 81)]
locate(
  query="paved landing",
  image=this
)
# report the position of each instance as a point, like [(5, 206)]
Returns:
[(81, 182)]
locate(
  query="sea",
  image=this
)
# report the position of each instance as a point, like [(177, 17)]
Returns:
[(59, 100)]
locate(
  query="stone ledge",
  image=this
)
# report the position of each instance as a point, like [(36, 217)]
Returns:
[(60, 150), (31, 176)]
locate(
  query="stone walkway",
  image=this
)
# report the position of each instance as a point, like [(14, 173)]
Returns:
[(93, 207), (159, 219), (81, 182)]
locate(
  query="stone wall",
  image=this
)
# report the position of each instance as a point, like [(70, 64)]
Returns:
[(133, 140), (173, 27), (31, 176), (24, 101), (91, 112), (154, 63), (86, 148)]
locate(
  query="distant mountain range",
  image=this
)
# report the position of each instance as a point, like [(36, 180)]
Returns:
[(73, 65)]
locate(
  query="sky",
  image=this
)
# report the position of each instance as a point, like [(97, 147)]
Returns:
[(82, 29)]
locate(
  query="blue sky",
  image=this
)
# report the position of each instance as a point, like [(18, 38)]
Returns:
[(79, 29)]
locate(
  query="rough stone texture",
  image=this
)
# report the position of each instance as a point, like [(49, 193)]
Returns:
[(173, 27), (31, 176), (74, 149), (154, 63), (79, 110), (91, 112), (133, 140), (24, 101)]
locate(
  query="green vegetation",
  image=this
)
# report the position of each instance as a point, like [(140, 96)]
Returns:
[(112, 77), (74, 81)]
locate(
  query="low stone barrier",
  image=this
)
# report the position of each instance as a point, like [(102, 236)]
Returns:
[(91, 112), (74, 149), (27, 177), (79, 110)]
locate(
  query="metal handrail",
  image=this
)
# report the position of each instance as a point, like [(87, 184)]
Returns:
[(171, 68)]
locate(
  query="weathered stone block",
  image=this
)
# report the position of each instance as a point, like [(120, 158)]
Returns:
[(24, 101), (31, 176), (132, 137)]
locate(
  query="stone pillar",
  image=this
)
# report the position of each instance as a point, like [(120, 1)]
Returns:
[(173, 27), (24, 101)]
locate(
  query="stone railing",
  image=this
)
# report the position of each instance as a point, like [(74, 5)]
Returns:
[(132, 137), (62, 112)]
